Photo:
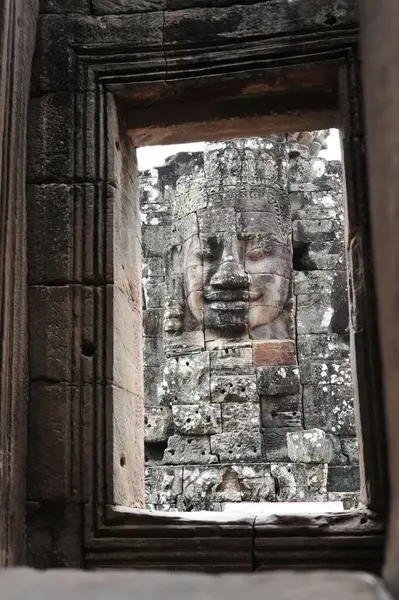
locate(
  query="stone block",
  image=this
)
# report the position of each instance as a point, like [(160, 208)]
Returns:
[(322, 347), (343, 479), (232, 388), (316, 230), (217, 220), (274, 353), (309, 446), (154, 293), (205, 487), (239, 417), (184, 450), (153, 266), (125, 437), (163, 485), (326, 256), (155, 240), (49, 441), (314, 313), (53, 541), (185, 227), (338, 373), (278, 381), (329, 407), (153, 349), (350, 449), (152, 382), (315, 175), (158, 424), (197, 419), (275, 443), (125, 366), (50, 233), (231, 361), (51, 138), (230, 447), (259, 198), (186, 380), (313, 282), (281, 411), (300, 482), (255, 223), (60, 34), (153, 320), (317, 205), (59, 6), (190, 194), (258, 489), (50, 315)]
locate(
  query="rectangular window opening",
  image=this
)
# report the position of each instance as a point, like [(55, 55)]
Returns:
[(248, 393)]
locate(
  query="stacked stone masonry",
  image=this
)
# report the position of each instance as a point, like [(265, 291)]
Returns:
[(247, 377)]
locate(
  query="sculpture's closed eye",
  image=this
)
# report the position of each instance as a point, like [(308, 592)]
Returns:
[(256, 254)]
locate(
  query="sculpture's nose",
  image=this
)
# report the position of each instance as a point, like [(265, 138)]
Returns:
[(230, 275)]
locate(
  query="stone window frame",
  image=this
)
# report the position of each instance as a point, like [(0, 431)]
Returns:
[(108, 87)]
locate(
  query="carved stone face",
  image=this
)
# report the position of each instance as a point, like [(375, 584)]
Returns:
[(233, 284)]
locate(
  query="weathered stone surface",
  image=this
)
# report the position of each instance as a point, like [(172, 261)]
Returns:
[(277, 380), (239, 417), (343, 479), (158, 424), (313, 446), (163, 484), (189, 450), (275, 443), (326, 256), (51, 138), (350, 450), (205, 487), (231, 361), (153, 348), (330, 405), (274, 353), (320, 230), (232, 388), (152, 381), (59, 6), (322, 347), (153, 266), (317, 205), (154, 294), (243, 447), (298, 482), (50, 234), (327, 372), (50, 332), (197, 419), (153, 322), (314, 175), (281, 411), (186, 380), (155, 240)]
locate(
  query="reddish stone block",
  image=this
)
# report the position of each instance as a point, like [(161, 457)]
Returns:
[(274, 353)]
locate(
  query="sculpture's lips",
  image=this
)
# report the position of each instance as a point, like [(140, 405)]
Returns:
[(229, 306), (226, 296)]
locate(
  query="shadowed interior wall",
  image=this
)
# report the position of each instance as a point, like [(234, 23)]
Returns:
[(17, 38)]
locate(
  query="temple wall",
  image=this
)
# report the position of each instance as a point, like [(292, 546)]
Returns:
[(255, 408)]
